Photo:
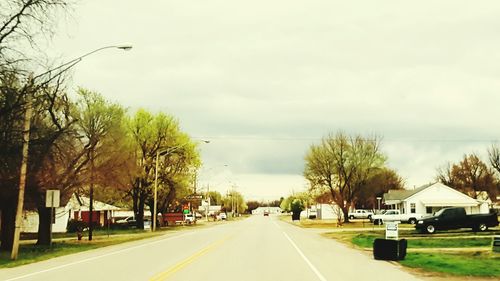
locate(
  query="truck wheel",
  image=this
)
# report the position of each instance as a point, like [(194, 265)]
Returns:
[(412, 220), (482, 227), (351, 217), (430, 229)]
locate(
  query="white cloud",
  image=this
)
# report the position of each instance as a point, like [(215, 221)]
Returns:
[(264, 79)]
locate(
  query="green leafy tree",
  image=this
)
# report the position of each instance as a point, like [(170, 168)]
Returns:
[(104, 148), (151, 134), (375, 186), (342, 164), (296, 207), (215, 198), (234, 202)]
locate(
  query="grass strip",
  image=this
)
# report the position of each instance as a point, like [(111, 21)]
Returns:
[(476, 265), (366, 241), (29, 253)]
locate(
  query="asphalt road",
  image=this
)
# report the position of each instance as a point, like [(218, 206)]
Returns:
[(259, 249)]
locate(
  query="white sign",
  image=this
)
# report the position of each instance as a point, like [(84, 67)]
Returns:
[(52, 198), (391, 230)]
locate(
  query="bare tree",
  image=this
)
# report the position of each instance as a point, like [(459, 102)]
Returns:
[(494, 156), (342, 165), (22, 23), (470, 176)]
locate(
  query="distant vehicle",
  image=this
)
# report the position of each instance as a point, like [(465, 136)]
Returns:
[(128, 221), (189, 218), (312, 213), (455, 218), (361, 214), (222, 216), (395, 215), (266, 212), (173, 218), (198, 215)]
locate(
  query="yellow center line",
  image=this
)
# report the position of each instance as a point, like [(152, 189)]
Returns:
[(167, 273)]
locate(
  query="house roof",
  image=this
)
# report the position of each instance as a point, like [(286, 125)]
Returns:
[(82, 203), (398, 195)]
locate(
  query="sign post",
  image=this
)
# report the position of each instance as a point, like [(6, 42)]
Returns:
[(52, 198), (391, 230)]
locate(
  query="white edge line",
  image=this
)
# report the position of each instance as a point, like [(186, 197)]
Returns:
[(314, 269), (97, 257)]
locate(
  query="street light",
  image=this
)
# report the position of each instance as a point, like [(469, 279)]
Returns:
[(26, 136), (207, 208), (163, 153)]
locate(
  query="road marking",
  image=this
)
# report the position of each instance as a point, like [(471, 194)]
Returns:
[(98, 257), (167, 273), (314, 269)]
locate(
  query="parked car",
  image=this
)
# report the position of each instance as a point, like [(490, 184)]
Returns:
[(455, 218), (222, 216), (189, 218), (312, 213), (395, 215), (128, 221), (361, 214), (266, 212)]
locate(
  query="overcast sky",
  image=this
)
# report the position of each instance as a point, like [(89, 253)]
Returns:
[(264, 79)]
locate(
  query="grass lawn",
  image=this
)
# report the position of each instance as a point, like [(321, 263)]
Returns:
[(466, 262), (366, 241), (477, 264)]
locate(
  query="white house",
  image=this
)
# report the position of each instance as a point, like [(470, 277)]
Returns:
[(328, 211), (30, 220), (431, 198), (76, 208), (271, 210)]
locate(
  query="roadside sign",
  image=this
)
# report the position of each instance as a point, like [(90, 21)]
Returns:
[(391, 230), (185, 211), (194, 196), (52, 197)]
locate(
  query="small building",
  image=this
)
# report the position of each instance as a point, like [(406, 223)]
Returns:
[(431, 198), (31, 220), (101, 212), (328, 211), (271, 210), (76, 208)]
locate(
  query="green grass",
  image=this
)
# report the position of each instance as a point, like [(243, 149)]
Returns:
[(366, 241), (478, 264)]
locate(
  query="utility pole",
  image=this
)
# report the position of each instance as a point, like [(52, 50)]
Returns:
[(22, 178), (26, 137), (91, 193), (208, 201)]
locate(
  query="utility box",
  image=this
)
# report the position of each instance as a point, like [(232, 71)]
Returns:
[(389, 249), (496, 244)]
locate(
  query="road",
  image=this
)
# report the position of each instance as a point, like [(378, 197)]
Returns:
[(258, 249)]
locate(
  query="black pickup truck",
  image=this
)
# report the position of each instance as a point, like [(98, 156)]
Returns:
[(455, 218)]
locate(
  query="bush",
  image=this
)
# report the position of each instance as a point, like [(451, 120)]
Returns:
[(75, 225), (296, 206)]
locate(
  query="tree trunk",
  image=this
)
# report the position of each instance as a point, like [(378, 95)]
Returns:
[(139, 219), (8, 218), (345, 213), (44, 221)]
